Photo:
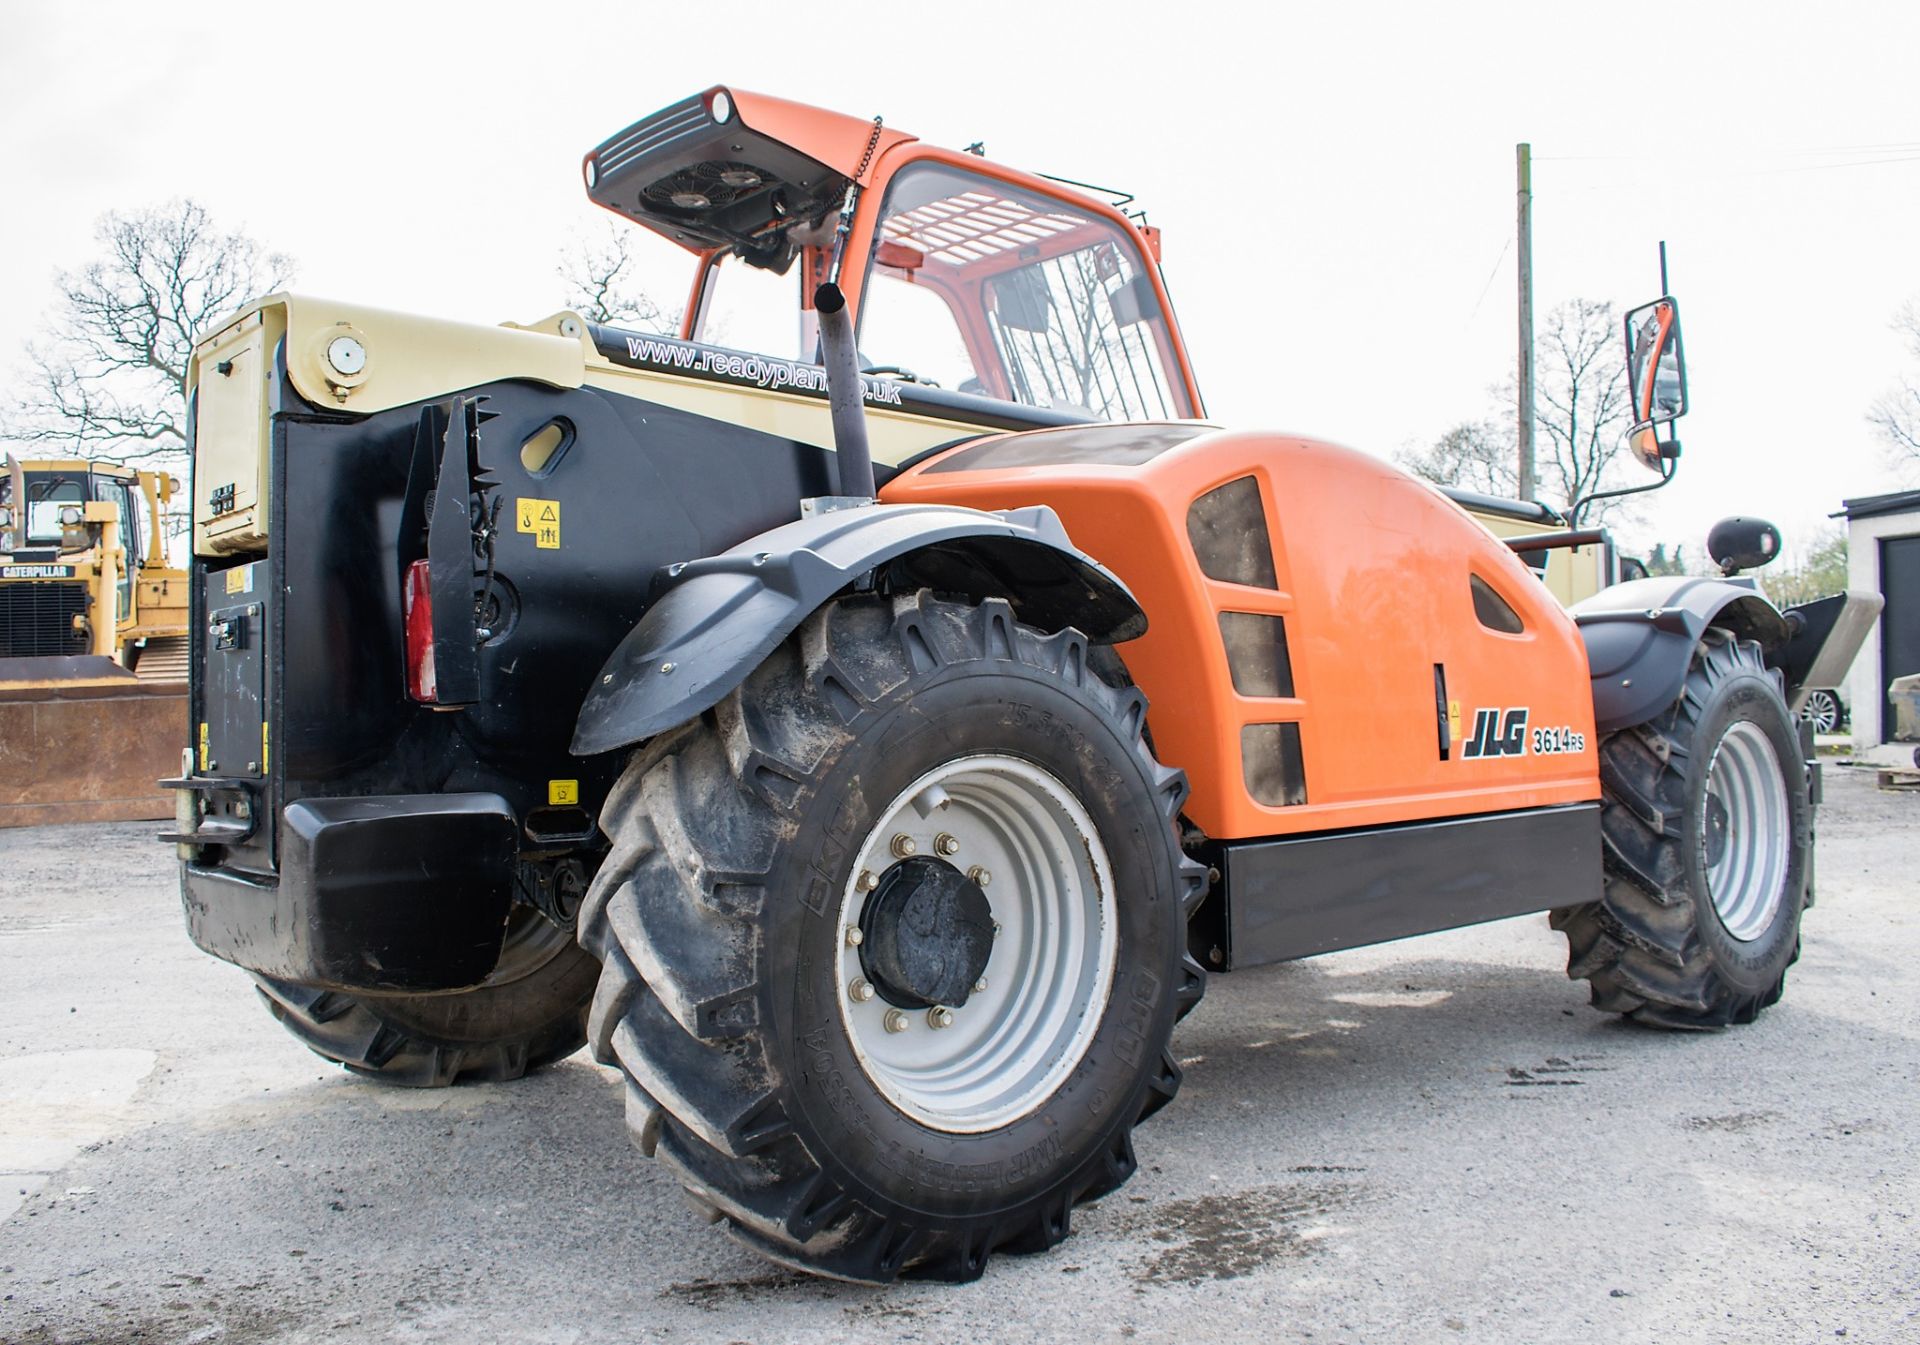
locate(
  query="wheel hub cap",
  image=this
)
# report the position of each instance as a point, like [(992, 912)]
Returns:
[(1744, 834), (927, 933), (971, 984)]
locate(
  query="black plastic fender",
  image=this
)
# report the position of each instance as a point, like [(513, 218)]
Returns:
[(1640, 637), (713, 620)]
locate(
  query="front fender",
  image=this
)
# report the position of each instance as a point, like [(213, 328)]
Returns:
[(1640, 638), (713, 620)]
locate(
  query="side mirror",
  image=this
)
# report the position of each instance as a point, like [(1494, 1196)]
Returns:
[(1738, 544), (1656, 378)]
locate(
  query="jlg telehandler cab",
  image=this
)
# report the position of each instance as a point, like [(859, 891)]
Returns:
[(558, 684)]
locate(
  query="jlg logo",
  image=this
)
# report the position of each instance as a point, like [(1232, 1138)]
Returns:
[(1497, 735)]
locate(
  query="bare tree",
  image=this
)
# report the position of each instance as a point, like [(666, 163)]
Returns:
[(112, 384), (599, 269), (1583, 402), (1582, 414), (1897, 415), (1473, 455)]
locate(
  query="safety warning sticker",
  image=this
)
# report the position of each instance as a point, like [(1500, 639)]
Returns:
[(542, 519)]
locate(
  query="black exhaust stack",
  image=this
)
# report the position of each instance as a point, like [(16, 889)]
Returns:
[(846, 394)]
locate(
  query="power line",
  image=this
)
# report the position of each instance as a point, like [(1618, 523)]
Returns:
[(1472, 313)]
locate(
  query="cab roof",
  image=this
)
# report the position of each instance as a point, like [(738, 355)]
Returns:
[(728, 168)]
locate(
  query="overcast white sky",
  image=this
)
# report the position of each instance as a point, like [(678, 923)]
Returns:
[(1335, 181)]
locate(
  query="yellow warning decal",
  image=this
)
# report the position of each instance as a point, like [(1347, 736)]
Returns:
[(240, 579), (265, 750), (563, 791), (203, 744), (541, 518), (1453, 721)]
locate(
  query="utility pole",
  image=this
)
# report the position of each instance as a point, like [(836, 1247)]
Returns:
[(1523, 160)]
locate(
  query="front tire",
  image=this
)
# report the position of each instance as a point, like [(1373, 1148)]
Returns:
[(753, 1027), (1708, 834)]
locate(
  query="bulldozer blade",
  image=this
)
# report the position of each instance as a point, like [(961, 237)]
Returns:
[(84, 740)]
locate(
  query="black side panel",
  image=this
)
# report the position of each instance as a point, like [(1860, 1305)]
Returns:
[(1317, 894), (1899, 619), (1227, 528), (235, 742), (641, 486)]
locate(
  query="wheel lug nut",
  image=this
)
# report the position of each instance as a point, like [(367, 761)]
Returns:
[(860, 991), (855, 937), (980, 985), (903, 846), (980, 876), (946, 844), (867, 882), (939, 1016), (896, 1021)]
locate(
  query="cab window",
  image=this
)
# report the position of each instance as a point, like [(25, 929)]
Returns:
[(749, 308), (47, 494), (991, 289), (118, 492)]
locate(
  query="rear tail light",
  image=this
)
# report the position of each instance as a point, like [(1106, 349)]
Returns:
[(417, 609)]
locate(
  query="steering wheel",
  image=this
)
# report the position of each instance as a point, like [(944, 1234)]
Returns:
[(901, 372)]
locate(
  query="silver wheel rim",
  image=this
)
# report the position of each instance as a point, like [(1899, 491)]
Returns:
[(1747, 881), (1823, 712), (1005, 1051)]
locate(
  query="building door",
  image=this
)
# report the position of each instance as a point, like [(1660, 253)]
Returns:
[(1900, 619)]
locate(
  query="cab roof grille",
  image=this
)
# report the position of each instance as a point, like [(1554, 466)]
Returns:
[(682, 119)]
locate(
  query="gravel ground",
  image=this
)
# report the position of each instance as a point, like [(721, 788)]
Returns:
[(1432, 1141)]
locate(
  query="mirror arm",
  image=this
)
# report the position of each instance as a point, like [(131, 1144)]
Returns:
[(1667, 470)]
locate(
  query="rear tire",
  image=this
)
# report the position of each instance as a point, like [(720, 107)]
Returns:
[(532, 1013), (1708, 834), (722, 918)]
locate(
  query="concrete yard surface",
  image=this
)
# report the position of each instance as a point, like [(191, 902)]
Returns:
[(1436, 1140)]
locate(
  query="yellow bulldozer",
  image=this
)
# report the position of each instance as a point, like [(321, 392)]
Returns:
[(93, 647)]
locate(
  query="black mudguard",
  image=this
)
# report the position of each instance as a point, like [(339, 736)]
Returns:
[(713, 620), (1640, 638)]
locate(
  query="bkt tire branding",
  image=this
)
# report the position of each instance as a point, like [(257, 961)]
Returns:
[(1503, 733)]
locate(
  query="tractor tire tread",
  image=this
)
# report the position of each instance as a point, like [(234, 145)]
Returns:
[(696, 824)]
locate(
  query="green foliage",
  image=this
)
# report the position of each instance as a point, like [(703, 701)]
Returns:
[(1661, 561), (1817, 571)]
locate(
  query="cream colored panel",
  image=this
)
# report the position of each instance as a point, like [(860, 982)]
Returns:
[(402, 358), (893, 435), (231, 374), (1573, 573)]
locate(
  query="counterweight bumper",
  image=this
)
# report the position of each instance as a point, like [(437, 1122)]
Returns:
[(398, 892)]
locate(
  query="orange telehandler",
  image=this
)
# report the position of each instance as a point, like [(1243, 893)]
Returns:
[(869, 731)]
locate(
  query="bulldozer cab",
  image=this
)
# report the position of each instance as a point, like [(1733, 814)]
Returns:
[(54, 516), (965, 276)]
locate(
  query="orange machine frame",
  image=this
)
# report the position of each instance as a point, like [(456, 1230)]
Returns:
[(1372, 571)]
